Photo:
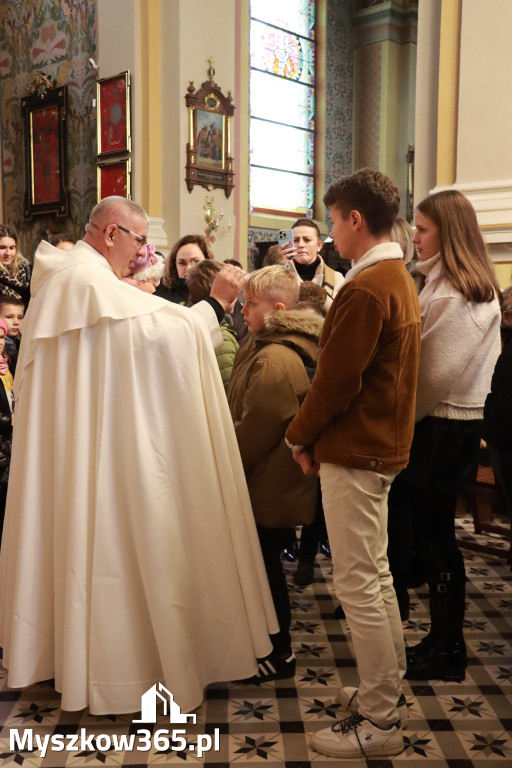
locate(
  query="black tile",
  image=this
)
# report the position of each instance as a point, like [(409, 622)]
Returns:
[(287, 693), (423, 690), (292, 726), (210, 727), (217, 693), (439, 724), (297, 764), (490, 690)]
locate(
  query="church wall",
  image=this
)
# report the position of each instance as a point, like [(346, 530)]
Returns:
[(58, 38), (484, 148), (462, 142), (166, 45)]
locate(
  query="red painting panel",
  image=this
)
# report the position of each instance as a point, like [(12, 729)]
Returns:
[(46, 155), (114, 179), (113, 114)]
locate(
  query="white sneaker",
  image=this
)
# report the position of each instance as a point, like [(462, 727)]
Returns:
[(347, 697), (358, 736)]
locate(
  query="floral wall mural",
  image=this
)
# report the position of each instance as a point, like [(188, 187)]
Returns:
[(57, 37)]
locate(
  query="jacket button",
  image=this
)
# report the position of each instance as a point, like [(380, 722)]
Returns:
[(372, 463)]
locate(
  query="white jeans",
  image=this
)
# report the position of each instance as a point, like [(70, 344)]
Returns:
[(356, 514)]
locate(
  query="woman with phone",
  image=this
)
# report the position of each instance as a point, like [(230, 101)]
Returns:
[(305, 252)]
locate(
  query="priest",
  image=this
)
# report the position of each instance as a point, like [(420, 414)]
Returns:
[(129, 554)]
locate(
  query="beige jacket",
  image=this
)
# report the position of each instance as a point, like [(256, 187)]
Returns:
[(268, 384)]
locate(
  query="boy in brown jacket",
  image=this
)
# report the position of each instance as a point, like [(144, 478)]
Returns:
[(268, 384), (355, 428)]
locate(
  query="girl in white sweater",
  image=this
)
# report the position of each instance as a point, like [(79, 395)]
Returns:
[(460, 343)]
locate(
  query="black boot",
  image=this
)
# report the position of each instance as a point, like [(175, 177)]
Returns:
[(305, 573), (443, 660), (442, 653)]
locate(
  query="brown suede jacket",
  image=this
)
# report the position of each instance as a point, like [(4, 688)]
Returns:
[(268, 383), (360, 409)]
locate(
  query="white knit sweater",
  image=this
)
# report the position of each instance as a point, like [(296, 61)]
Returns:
[(460, 343)]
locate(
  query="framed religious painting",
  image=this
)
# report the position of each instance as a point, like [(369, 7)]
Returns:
[(209, 160), (114, 178), (44, 120), (113, 110)]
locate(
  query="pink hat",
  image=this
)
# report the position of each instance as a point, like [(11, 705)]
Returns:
[(3, 325)]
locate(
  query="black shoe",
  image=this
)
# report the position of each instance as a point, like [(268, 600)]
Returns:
[(444, 661), (291, 552), (304, 574), (273, 667), (339, 613), (325, 549)]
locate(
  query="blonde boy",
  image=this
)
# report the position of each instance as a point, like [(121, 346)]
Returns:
[(268, 384)]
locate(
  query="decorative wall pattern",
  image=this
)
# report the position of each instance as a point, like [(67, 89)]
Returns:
[(369, 105), (339, 96), (57, 37)]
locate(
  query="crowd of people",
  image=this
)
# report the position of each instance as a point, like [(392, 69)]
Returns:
[(177, 420)]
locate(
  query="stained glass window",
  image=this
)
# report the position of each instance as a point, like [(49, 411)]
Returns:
[(282, 98)]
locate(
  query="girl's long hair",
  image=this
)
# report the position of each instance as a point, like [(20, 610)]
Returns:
[(466, 263), (170, 271), (12, 269)]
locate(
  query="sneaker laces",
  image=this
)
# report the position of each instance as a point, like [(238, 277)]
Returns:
[(348, 724)]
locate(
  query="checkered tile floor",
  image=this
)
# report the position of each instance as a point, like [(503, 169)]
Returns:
[(452, 725)]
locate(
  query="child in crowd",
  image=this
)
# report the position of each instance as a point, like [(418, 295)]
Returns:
[(6, 405), (199, 283), (145, 272), (11, 312), (274, 255), (268, 384)]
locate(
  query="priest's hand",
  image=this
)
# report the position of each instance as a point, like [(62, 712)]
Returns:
[(228, 284), (306, 462)]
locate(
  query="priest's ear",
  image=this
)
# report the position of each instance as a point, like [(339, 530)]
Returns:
[(109, 234)]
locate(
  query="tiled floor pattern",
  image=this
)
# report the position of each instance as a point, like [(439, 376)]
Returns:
[(452, 725)]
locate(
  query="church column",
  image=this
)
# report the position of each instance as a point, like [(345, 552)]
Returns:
[(385, 69)]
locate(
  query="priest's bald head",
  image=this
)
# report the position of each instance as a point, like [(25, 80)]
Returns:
[(117, 228)]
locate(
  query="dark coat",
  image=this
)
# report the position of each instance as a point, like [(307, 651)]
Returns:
[(268, 384), (497, 429), (177, 293), (5, 438)]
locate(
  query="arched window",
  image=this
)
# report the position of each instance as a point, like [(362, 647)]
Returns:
[(282, 105)]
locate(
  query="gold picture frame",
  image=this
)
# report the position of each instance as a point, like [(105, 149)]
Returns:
[(209, 160)]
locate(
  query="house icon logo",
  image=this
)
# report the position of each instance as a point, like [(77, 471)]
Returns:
[(149, 702)]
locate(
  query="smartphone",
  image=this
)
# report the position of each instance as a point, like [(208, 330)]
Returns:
[(285, 236)]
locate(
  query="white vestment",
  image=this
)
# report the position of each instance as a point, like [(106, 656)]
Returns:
[(129, 554)]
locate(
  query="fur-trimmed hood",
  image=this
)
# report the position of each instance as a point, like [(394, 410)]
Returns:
[(296, 328)]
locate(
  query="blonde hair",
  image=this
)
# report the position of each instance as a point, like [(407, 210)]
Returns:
[(466, 263), (401, 233), (279, 282), (13, 268)]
